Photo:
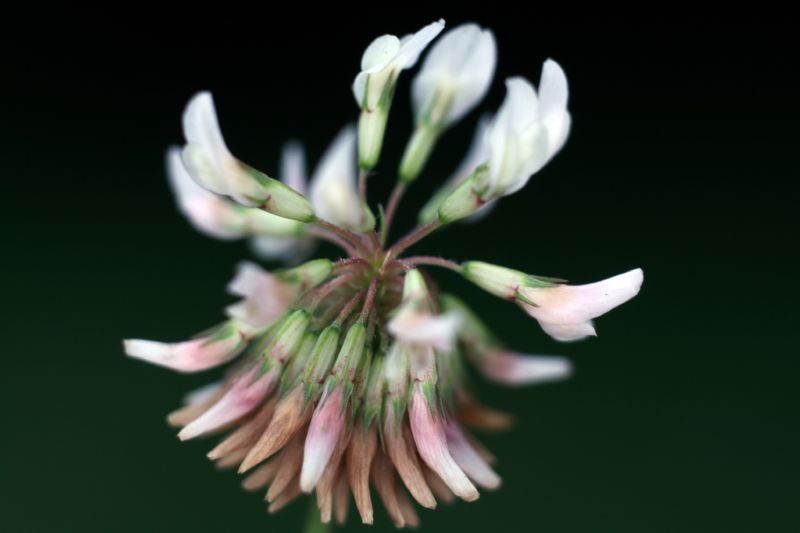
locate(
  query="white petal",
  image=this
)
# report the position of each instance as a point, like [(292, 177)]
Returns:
[(461, 65), (575, 305), (334, 193), (412, 46), (266, 297), (413, 327), (518, 369), (208, 212), (208, 151), (293, 167), (553, 95), (207, 158), (189, 356), (380, 53), (246, 394), (516, 140)]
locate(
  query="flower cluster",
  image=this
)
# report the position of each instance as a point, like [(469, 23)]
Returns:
[(349, 373)]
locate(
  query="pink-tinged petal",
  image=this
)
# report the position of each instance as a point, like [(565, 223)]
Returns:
[(189, 356), (575, 305), (266, 297), (245, 395), (517, 369), (413, 327), (432, 447), (209, 213), (569, 332), (323, 434), (468, 459)]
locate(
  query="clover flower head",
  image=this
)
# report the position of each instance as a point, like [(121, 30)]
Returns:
[(348, 374)]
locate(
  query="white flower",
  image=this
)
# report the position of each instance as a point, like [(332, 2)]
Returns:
[(383, 60), (374, 86), (217, 216), (455, 75), (526, 132), (334, 192), (211, 165), (565, 311)]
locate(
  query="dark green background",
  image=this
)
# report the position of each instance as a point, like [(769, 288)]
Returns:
[(682, 415)]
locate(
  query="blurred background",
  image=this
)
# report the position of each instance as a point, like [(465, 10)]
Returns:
[(682, 414)]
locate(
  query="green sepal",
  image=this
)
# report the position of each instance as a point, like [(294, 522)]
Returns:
[(307, 275), (288, 336), (220, 332), (280, 199), (464, 200)]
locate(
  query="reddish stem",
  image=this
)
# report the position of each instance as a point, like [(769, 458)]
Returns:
[(431, 260), (391, 208), (319, 233), (415, 236)]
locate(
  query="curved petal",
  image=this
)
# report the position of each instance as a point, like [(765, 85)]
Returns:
[(189, 356), (323, 434), (569, 332), (207, 158), (553, 96), (468, 459), (202, 132), (575, 305), (428, 432), (244, 396)]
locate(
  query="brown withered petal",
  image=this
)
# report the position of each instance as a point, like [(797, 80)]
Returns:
[(327, 482), (288, 496), (384, 481), (247, 434), (289, 460), (259, 477), (359, 460), (231, 460), (290, 415), (401, 450), (477, 416), (341, 498), (406, 507)]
